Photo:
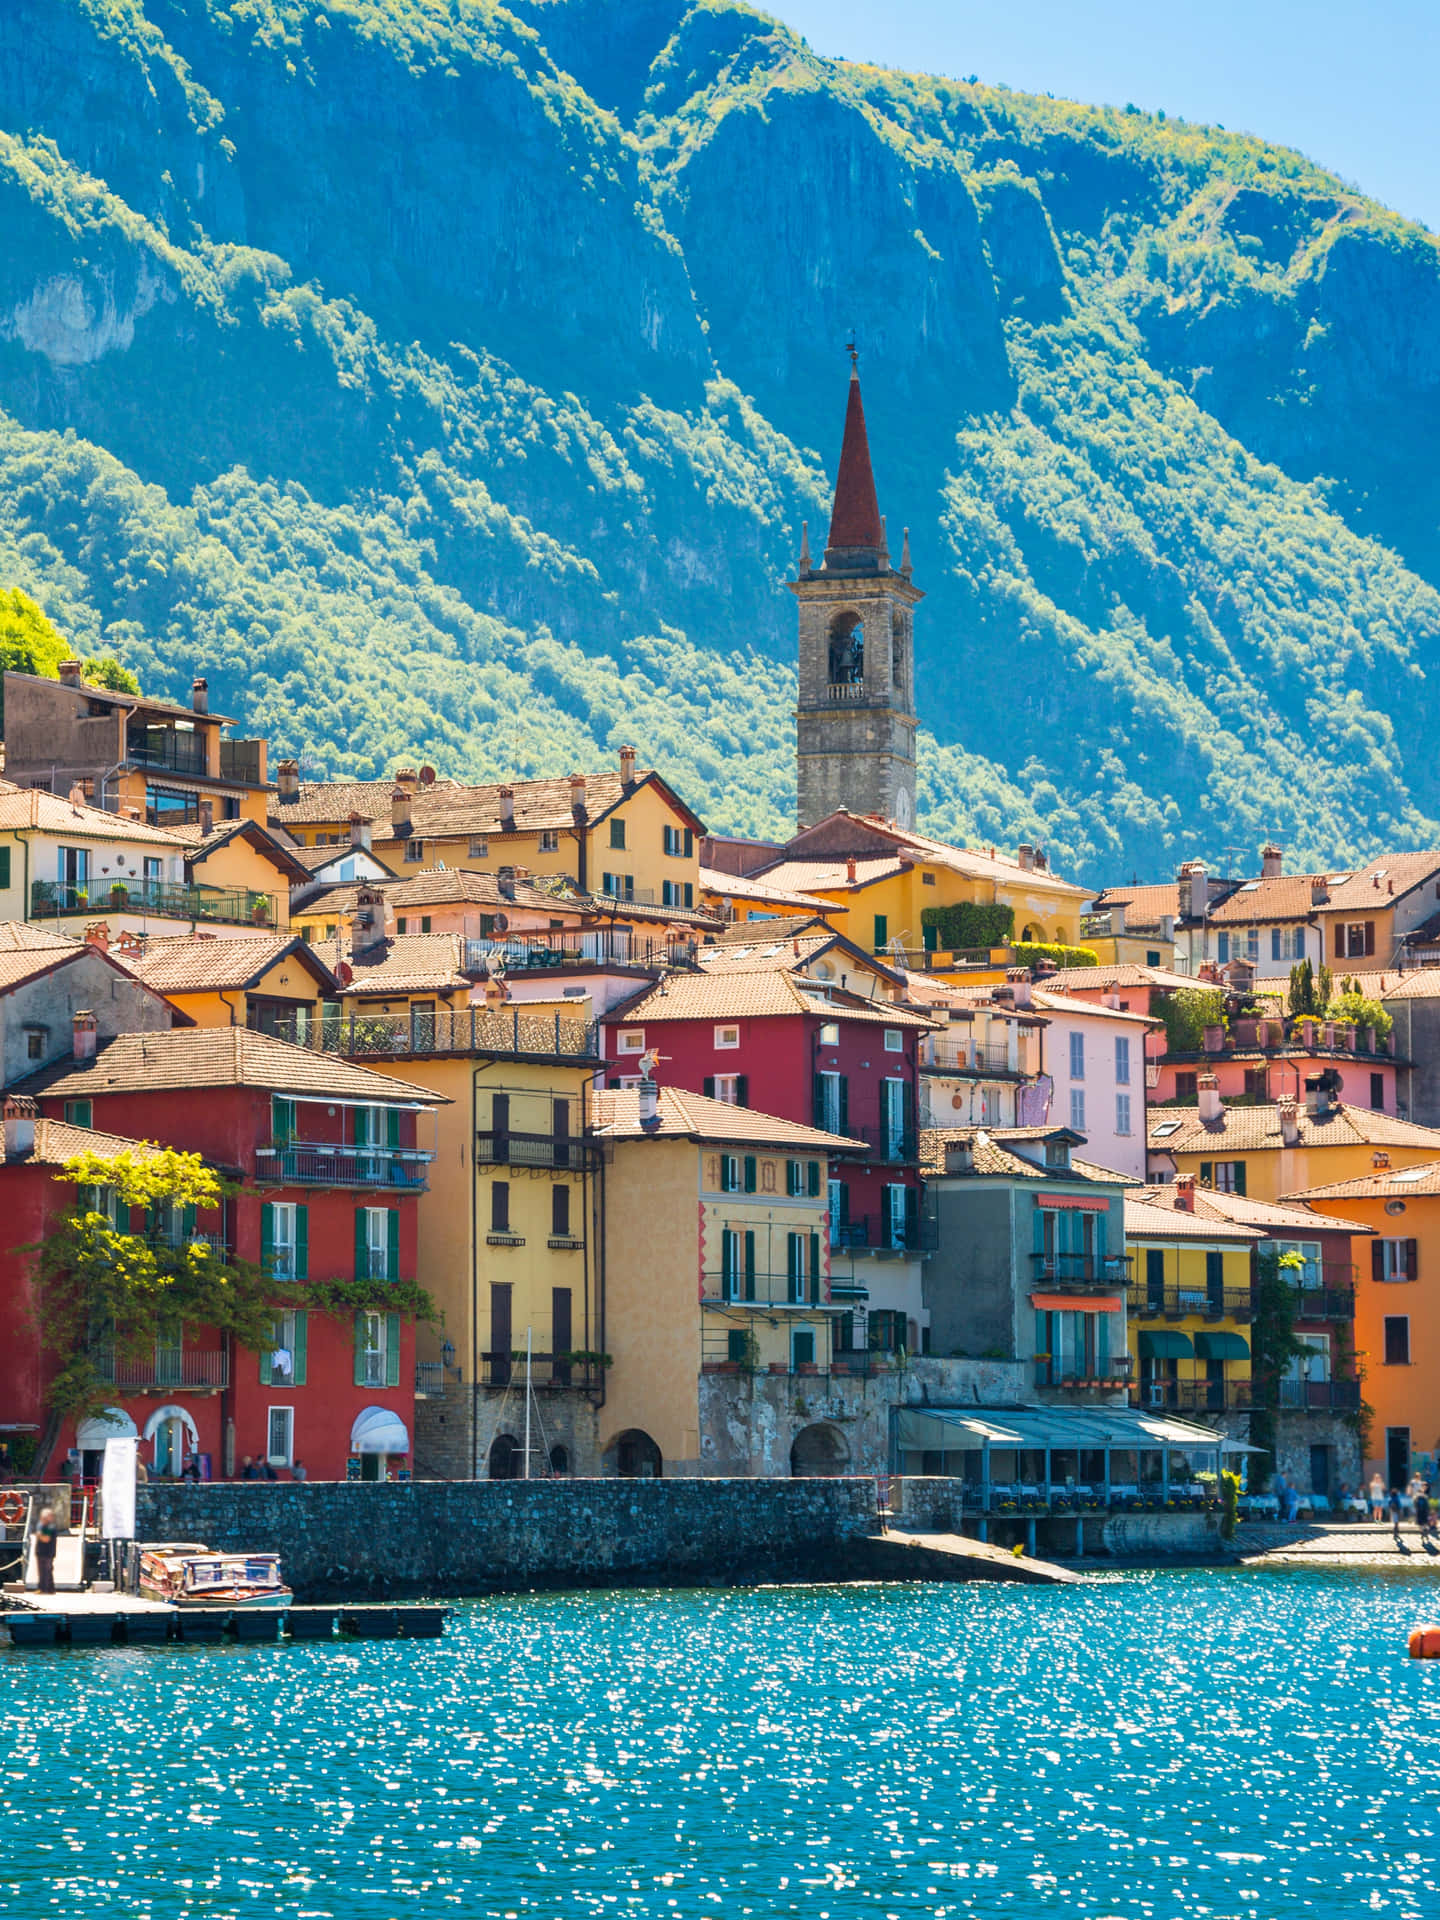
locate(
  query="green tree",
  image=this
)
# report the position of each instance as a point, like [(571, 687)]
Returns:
[(108, 672), (1187, 1012)]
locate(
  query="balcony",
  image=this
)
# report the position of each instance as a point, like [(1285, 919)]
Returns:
[(1319, 1396), (169, 748), (1324, 1303), (982, 1058), (760, 1291), (1097, 1376), (1079, 1272), (557, 1371), (869, 1233), (318, 1163), (460, 1030), (165, 900), (1179, 1303), (512, 1149), (1195, 1396), (573, 948), (163, 1371), (845, 693)]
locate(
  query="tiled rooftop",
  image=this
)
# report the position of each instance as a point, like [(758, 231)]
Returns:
[(684, 1115), (218, 1057)]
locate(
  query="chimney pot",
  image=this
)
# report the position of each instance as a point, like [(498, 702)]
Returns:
[(1211, 1106), (406, 777), (1289, 1124), (83, 1028), (97, 934), (19, 1113), (1380, 1161), (960, 1156), (200, 695), (71, 673), (507, 809), (1319, 893), (851, 869), (1185, 1193), (287, 778), (1272, 861), (400, 812), (649, 1102), (627, 766), (1025, 854)]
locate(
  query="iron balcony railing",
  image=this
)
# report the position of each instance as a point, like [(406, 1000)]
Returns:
[(721, 1287), (1195, 1396), (967, 1056), (1176, 1303), (1324, 1303), (1320, 1396), (872, 1233), (170, 900), (462, 1030), (167, 747), (559, 947), (516, 1149), (162, 1369), (1079, 1270), (318, 1163), (546, 1370), (1100, 1374)]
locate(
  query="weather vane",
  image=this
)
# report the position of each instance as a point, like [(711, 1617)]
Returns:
[(853, 350)]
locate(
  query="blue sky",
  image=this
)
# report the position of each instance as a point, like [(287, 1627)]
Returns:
[(1352, 86)]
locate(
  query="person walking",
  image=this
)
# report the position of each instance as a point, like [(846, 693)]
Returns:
[(1377, 1497), (46, 1535), (1421, 1509), (1397, 1510)]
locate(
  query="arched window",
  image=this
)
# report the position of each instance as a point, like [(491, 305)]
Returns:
[(635, 1456), (819, 1452), (898, 678), (847, 650), (559, 1460), (505, 1458), (1032, 932)]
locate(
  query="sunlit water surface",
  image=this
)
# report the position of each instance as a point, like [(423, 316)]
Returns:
[(1191, 1743)]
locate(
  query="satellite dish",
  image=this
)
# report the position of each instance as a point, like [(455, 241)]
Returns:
[(344, 972), (502, 922)]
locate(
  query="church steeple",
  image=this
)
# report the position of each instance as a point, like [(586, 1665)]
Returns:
[(855, 721)]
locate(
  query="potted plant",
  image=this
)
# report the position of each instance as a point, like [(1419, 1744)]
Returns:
[(778, 1366), (806, 1366), (119, 894), (260, 912)]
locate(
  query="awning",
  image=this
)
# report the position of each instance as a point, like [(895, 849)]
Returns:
[(1165, 1346), (1072, 1202), (1078, 1302), (959, 1429), (1221, 1346), (171, 1412), (112, 1424), (378, 1430)]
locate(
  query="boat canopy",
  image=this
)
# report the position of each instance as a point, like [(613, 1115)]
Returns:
[(379, 1430)]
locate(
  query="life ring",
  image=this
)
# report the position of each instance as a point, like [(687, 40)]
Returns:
[(13, 1508)]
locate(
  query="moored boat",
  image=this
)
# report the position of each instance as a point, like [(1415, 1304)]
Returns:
[(186, 1575)]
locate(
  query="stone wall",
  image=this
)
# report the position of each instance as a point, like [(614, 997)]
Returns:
[(1297, 1433), (353, 1540), (930, 1504)]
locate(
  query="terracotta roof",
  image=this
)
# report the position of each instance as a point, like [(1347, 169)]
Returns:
[(690, 1116), (1144, 1221), (993, 1155), (745, 933), (1046, 1000), (805, 876), (20, 936), (855, 517), (1272, 1219), (57, 1141), (406, 963), (447, 808), (1257, 1128), (1147, 905), (1124, 974), (1393, 1183), (30, 963), (791, 953), (218, 1057), (988, 863), (751, 996), (1398, 873), (734, 886), (31, 809), (274, 847), (1415, 983), (316, 859), (193, 963), (448, 886), (1285, 897)]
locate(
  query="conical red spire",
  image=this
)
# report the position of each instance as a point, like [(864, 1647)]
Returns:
[(855, 520)]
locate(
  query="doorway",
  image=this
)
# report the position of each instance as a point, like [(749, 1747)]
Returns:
[(1397, 1456), (1320, 1471)]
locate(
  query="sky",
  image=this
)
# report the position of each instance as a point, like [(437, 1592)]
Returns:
[(1351, 85)]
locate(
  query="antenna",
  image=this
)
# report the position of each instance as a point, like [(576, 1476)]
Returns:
[(853, 351)]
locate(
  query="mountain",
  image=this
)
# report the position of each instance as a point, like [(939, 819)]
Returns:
[(449, 381)]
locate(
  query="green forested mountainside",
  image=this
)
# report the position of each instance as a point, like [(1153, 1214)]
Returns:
[(449, 382)]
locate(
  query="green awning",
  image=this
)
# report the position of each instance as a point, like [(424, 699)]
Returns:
[(1165, 1346), (1221, 1346)]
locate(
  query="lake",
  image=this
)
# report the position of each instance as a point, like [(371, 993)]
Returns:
[(1222, 1743)]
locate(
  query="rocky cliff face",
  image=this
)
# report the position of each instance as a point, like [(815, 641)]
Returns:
[(454, 380)]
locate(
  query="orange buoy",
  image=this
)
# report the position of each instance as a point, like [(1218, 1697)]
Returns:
[(1425, 1643)]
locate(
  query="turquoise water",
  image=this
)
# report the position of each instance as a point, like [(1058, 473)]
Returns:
[(1225, 1744)]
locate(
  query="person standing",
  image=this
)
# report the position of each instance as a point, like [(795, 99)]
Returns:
[(1397, 1510), (299, 1471), (1421, 1508), (46, 1535), (1377, 1497)]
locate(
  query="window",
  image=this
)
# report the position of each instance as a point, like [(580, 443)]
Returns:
[(727, 1036), (802, 1347), (415, 852), (737, 1345), (499, 1206), (37, 1042), (74, 876), (1356, 939), (284, 1240), (729, 1173), (631, 1040), (927, 879), (1308, 1275), (620, 886), (830, 1034), (1122, 1113), (882, 931), (1077, 1109), (617, 833), (1152, 959), (377, 1243), (679, 842), (1377, 1092), (280, 1436), (550, 840), (1187, 1086), (560, 1212), (78, 1113), (1397, 1339), (677, 893), (1287, 943), (1257, 1084), (377, 1349), (751, 1173), (283, 1362), (832, 1102), (902, 1215), (794, 1177), (4, 866), (1223, 1176), (1252, 944), (802, 1268), (425, 923), (479, 849), (1122, 1062), (732, 1088), (402, 925), (812, 1179), (1077, 1056), (1394, 1260), (1222, 947), (894, 1040)]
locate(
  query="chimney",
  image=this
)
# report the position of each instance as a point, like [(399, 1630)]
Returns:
[(507, 809), (1318, 1100), (287, 778), (1167, 929), (577, 795), (627, 766), (505, 883), (850, 870), (369, 916), (399, 812), (71, 673), (207, 817), (1185, 1193), (83, 1026), (1025, 854), (649, 1102), (1019, 981), (960, 1156), (427, 776), (1380, 1161), (406, 777), (1211, 1108), (1272, 861), (1194, 890), (97, 934), (359, 830), (1320, 892), (200, 695), (20, 1111)]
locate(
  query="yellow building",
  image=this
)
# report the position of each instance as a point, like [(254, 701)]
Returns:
[(717, 1291), (624, 834), (241, 860), (734, 896), (273, 983), (1277, 1149), (1189, 1307), (879, 879)]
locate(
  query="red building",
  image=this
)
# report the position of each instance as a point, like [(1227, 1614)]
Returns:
[(786, 1045), (330, 1166)]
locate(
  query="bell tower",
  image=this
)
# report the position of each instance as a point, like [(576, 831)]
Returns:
[(855, 723)]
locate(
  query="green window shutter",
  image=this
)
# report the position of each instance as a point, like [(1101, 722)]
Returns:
[(267, 1236), (749, 1264), (751, 1180), (392, 1120), (4, 866), (392, 1243), (1207, 1173), (362, 1246), (814, 1267), (392, 1349), (812, 1179), (187, 1224), (792, 1265), (302, 1243), (1239, 1176), (300, 1348), (282, 1120), (359, 1349), (270, 1343)]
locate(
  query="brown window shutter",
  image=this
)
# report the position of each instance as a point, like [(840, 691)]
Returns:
[(1369, 936), (1412, 1259), (1377, 1259)]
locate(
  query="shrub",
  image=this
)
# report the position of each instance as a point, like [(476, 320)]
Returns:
[(1187, 1013), (968, 924), (1027, 952)]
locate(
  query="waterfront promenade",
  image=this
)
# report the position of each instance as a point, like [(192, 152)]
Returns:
[(1316, 1544)]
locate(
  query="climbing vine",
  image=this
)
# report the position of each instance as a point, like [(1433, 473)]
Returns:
[(1273, 1345)]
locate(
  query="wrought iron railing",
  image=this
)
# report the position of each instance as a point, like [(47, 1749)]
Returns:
[(162, 1369), (967, 1056), (873, 1233), (165, 899), (1195, 1396), (721, 1287), (1175, 1303), (514, 1149), (1324, 1303), (304, 1163), (467, 1030), (1320, 1396), (558, 947), (1080, 1270)]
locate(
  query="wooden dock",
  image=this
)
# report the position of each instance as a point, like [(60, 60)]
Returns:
[(97, 1619), (904, 1555)]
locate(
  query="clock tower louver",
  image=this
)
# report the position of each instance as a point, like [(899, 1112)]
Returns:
[(855, 723)]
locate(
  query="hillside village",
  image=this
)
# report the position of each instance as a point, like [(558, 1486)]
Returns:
[(546, 1131)]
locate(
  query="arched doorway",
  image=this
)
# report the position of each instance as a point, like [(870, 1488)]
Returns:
[(170, 1427), (505, 1458), (559, 1461), (847, 650), (636, 1456), (1033, 933), (819, 1453)]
